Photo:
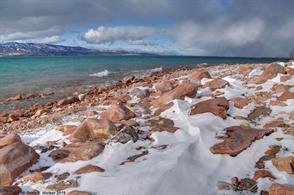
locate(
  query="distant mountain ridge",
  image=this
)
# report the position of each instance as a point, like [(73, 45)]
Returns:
[(36, 49)]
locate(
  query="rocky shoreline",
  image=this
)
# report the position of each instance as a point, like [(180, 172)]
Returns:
[(227, 128)]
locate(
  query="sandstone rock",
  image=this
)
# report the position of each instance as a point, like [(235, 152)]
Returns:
[(286, 95), (117, 112), (91, 129), (180, 92), (237, 139), (259, 111), (163, 108), (217, 106), (277, 103), (161, 124), (134, 157), (90, 113), (76, 192), (67, 129), (275, 124), (285, 78), (198, 75), (290, 71), (269, 73), (280, 88), (9, 139), (89, 169), (77, 151), (63, 185), (14, 159), (164, 86), (126, 134), (36, 177), (69, 100), (217, 83), (279, 189), (263, 174), (240, 102), (10, 190), (284, 164), (62, 176)]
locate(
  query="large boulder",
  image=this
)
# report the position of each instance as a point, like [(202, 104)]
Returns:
[(67, 129), (9, 139), (286, 95), (180, 92), (10, 190), (117, 112), (284, 164), (270, 72), (164, 86), (217, 83), (14, 159), (237, 139), (198, 75), (240, 102), (77, 151), (279, 189), (218, 106), (92, 129)]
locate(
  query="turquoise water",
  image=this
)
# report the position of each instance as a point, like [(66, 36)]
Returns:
[(46, 74)]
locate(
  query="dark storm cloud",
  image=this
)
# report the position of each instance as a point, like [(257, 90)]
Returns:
[(215, 27)]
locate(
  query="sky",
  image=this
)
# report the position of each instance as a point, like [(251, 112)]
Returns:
[(256, 28)]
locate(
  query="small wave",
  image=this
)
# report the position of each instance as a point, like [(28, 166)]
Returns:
[(103, 73), (156, 70)]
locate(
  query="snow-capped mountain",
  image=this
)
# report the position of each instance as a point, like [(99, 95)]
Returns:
[(35, 49)]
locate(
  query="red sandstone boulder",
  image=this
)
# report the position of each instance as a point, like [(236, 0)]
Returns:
[(286, 95), (280, 88), (77, 151), (10, 190), (164, 86), (9, 139), (279, 189), (91, 129), (76, 192), (240, 102), (117, 112), (89, 169), (14, 159), (216, 84), (237, 139), (36, 177), (67, 129), (180, 92), (269, 73), (275, 124), (284, 164), (217, 106), (263, 174), (198, 75)]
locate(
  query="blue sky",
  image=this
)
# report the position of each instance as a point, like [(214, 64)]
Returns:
[(187, 27)]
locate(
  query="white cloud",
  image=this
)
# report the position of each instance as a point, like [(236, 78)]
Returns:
[(111, 34), (50, 40), (142, 42)]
